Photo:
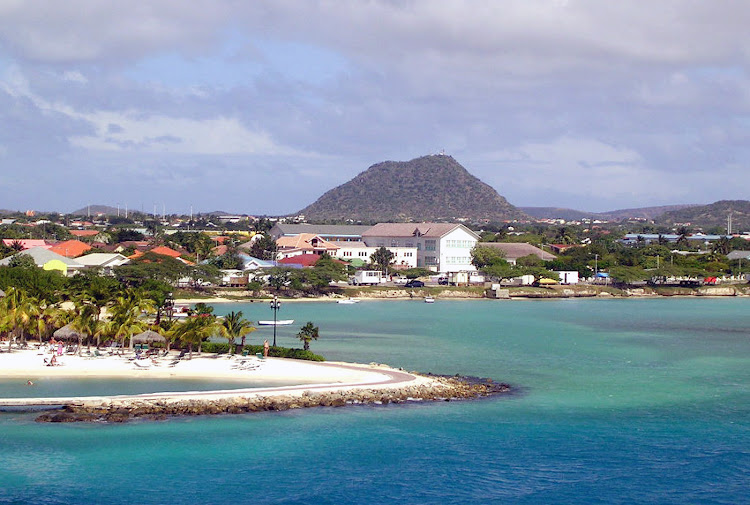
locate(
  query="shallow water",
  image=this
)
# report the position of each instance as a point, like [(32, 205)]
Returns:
[(616, 401), (57, 387)]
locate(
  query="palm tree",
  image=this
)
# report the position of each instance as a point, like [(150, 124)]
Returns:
[(233, 326), (307, 333), (195, 329), (85, 324), (125, 313), (16, 312)]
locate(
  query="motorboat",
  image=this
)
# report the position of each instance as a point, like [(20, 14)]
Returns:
[(348, 301), (429, 299), (280, 322)]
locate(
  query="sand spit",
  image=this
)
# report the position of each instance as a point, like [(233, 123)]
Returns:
[(335, 384)]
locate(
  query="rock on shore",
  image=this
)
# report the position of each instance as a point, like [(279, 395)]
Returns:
[(440, 389)]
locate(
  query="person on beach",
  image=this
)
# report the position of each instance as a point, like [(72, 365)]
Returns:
[(266, 347)]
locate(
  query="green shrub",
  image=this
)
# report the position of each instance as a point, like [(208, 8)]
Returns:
[(275, 352), (216, 347)]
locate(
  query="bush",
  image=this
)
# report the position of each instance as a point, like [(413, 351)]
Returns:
[(215, 347), (275, 352)]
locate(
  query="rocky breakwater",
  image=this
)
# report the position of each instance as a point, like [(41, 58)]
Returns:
[(434, 388)]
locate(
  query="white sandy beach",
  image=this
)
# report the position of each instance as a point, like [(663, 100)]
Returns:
[(30, 362), (302, 376)]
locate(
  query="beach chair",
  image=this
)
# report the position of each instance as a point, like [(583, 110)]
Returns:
[(259, 355)]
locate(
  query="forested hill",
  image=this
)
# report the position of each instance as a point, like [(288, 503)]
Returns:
[(430, 188), (713, 215)]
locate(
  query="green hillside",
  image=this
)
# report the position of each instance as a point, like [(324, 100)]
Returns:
[(713, 215), (430, 188)]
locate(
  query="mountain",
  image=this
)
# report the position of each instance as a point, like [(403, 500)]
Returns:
[(557, 213), (95, 210), (613, 215), (713, 215), (643, 212), (430, 188)]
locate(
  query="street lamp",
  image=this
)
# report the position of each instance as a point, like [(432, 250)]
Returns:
[(169, 306), (275, 306)]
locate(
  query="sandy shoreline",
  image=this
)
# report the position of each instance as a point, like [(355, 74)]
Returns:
[(314, 384), (29, 363)]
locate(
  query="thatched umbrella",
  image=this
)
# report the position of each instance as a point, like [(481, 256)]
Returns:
[(68, 333), (148, 337)]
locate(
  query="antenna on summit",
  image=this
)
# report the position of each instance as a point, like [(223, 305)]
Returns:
[(442, 152)]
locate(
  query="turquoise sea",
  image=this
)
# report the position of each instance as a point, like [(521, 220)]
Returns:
[(615, 401)]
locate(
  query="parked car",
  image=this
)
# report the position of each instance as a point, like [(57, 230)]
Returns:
[(414, 283), (443, 281)]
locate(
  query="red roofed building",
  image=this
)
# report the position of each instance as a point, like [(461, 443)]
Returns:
[(84, 233), (305, 260), (304, 243), (163, 250), (70, 248), (26, 243)]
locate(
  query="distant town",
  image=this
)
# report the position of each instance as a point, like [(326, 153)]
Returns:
[(288, 255)]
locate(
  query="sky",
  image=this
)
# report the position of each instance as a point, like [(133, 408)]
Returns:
[(259, 107)]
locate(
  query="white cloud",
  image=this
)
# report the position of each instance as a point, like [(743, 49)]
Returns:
[(645, 100), (74, 76), (117, 131)]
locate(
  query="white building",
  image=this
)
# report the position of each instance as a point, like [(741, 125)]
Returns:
[(441, 247), (568, 276), (403, 257)]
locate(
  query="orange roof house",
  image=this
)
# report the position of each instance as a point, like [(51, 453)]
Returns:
[(26, 243), (163, 250), (304, 243), (85, 233), (70, 248)]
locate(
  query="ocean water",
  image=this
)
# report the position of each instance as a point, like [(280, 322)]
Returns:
[(615, 401)]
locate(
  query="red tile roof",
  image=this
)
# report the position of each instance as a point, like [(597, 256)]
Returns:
[(306, 260), (165, 251), (84, 233), (70, 248), (26, 243)]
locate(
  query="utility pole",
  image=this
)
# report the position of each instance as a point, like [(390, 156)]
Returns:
[(596, 265)]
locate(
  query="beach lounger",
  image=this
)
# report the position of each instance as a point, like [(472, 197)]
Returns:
[(142, 364)]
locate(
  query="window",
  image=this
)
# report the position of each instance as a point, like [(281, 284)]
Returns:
[(465, 244), (430, 260), (429, 245), (394, 243)]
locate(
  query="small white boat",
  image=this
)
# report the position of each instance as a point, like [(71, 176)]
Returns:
[(348, 301), (429, 299), (280, 322)]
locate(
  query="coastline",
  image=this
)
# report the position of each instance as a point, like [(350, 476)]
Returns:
[(533, 293), (334, 384)]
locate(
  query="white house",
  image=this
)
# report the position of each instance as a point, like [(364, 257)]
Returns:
[(103, 260), (568, 276), (441, 247), (403, 257)]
